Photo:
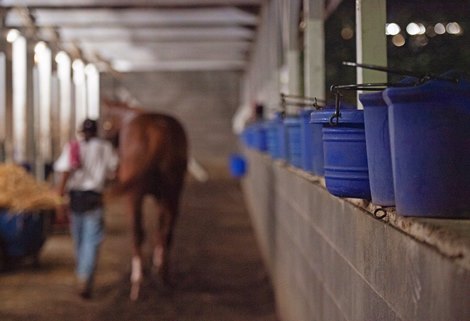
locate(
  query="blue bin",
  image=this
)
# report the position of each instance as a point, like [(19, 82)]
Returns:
[(254, 136), (259, 136), (345, 157), (238, 165), (282, 137), (430, 148), (273, 141), (317, 138), (317, 146), (378, 149), (22, 234), (306, 139), (294, 147), (247, 137)]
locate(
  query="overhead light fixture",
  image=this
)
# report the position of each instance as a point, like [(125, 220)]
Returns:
[(40, 46), (439, 28), (453, 28), (413, 29), (78, 68), (78, 64), (347, 33), (61, 57), (90, 68), (392, 29), (398, 40), (12, 35)]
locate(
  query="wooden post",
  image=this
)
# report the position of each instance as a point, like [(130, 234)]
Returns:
[(371, 42), (314, 42), (293, 50), (7, 100)]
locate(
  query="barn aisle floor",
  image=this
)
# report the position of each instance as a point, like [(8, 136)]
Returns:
[(217, 269)]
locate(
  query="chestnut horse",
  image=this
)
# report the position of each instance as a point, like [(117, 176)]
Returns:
[(153, 159)]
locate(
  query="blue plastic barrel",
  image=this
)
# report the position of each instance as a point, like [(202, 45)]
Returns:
[(306, 139), (272, 136), (294, 147), (430, 148), (22, 234), (345, 156), (378, 148), (247, 137), (254, 136), (259, 136), (317, 146), (282, 139), (317, 138)]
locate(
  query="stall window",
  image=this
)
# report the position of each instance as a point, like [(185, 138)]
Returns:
[(19, 65), (64, 74), (3, 106), (42, 86), (93, 91), (79, 81)]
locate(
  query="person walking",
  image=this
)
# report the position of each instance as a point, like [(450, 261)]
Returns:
[(83, 168)]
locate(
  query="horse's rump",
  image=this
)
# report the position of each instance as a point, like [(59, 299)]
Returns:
[(153, 153)]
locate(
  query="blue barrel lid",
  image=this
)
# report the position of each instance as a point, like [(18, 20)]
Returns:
[(348, 116), (374, 99), (435, 89)]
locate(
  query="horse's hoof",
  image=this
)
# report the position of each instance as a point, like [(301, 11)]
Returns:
[(135, 289)]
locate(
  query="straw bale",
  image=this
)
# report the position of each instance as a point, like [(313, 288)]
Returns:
[(20, 192)]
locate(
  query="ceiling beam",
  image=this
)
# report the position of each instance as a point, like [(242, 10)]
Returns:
[(173, 51), (76, 4), (188, 65), (139, 35), (136, 17)]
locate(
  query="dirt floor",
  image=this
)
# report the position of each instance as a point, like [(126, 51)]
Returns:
[(217, 270)]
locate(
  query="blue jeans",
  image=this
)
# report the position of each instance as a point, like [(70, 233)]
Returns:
[(87, 231)]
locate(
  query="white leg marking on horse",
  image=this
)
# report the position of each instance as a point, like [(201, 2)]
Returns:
[(136, 277)]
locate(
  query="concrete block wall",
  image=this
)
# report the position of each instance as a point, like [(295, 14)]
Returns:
[(331, 260)]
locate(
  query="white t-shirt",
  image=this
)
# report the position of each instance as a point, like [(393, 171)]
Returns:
[(97, 159)]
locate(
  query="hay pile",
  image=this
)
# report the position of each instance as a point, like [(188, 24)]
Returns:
[(20, 192)]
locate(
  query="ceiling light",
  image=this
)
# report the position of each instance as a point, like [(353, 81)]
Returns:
[(413, 29), (61, 57), (453, 28), (392, 29), (40, 46), (398, 40), (440, 29), (12, 35), (90, 69), (347, 33), (77, 65), (422, 29)]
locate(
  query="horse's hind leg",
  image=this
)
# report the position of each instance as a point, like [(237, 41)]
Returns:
[(135, 210), (161, 254)]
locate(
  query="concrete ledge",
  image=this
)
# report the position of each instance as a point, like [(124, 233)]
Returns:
[(450, 237), (331, 259)]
